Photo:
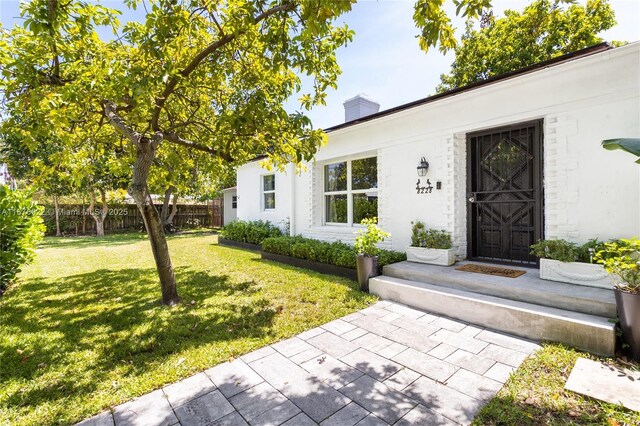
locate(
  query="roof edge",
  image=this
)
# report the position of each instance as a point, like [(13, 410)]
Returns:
[(587, 51)]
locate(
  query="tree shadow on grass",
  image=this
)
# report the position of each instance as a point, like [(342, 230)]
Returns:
[(91, 324)]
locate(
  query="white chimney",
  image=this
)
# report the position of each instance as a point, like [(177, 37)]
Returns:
[(359, 106)]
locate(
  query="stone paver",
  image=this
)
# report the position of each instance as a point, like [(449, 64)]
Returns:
[(333, 345), (331, 371), (387, 364), (233, 377), (372, 364), (338, 327), (473, 384), (605, 382), (503, 355), (499, 372), (426, 365), (204, 409), (381, 400), (348, 416), (472, 362), (315, 398), (188, 389), (102, 419), (148, 410), (421, 415)]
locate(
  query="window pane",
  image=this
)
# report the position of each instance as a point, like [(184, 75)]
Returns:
[(336, 208), (270, 201), (364, 173), (234, 202), (365, 206), (335, 177), (269, 182)]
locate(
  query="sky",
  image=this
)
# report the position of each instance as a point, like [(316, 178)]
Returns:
[(384, 60)]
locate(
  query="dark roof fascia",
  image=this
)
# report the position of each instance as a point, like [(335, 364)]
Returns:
[(588, 51)]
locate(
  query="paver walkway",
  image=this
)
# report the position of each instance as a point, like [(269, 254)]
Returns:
[(385, 365)]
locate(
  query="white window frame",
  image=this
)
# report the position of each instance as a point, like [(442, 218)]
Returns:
[(349, 192), (234, 200), (263, 192)]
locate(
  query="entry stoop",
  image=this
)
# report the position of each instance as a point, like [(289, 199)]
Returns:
[(592, 333)]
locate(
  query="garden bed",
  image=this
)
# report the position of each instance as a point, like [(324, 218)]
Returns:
[(238, 244), (322, 268)]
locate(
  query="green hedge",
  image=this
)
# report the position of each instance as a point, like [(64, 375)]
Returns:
[(336, 253), (253, 232), (21, 229)]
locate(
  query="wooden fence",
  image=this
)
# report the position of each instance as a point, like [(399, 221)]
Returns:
[(75, 220)]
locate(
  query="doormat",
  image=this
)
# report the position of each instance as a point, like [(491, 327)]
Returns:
[(491, 270)]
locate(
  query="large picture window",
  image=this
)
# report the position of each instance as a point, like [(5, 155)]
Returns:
[(351, 191), (269, 192)]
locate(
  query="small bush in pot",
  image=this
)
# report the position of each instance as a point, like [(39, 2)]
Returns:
[(564, 261), (621, 258), (431, 246), (367, 251)]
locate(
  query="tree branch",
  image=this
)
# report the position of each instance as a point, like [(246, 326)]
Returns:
[(118, 122), (197, 60), (175, 139)]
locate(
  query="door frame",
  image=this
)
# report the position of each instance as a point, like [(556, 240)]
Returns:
[(538, 187)]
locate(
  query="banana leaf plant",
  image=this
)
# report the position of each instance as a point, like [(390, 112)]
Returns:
[(631, 145)]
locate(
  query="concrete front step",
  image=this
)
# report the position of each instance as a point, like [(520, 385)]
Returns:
[(527, 288), (583, 331)]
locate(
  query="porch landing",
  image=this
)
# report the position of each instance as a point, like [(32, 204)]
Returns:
[(526, 306)]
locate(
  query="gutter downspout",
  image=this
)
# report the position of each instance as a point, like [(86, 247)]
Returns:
[(292, 199)]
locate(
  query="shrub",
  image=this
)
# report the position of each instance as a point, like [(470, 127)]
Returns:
[(565, 251), (429, 238), (253, 232), (21, 229), (336, 253), (622, 259), (367, 239)]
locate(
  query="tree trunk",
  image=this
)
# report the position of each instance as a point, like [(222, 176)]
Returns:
[(57, 214), (139, 190), (174, 209), (166, 216), (102, 215)]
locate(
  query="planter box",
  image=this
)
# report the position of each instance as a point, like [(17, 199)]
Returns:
[(323, 268), (238, 244), (588, 274), (443, 257)]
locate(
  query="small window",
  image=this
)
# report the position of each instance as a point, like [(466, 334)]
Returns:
[(351, 191), (234, 202), (269, 192)]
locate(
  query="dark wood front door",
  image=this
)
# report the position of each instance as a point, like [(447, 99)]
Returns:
[(505, 193)]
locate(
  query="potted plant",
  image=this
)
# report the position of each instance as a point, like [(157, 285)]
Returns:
[(622, 260), (430, 246), (563, 261), (367, 251)]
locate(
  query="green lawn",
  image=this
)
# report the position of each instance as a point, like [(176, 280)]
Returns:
[(535, 395), (83, 329)]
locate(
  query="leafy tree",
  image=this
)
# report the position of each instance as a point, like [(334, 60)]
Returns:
[(206, 76), (543, 30)]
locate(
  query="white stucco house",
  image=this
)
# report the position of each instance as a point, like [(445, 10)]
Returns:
[(511, 160)]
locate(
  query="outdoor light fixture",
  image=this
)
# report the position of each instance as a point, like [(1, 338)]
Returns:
[(423, 167)]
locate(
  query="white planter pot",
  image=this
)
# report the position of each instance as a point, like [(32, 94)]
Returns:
[(444, 257), (588, 274)]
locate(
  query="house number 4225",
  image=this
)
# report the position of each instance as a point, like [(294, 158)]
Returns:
[(424, 189)]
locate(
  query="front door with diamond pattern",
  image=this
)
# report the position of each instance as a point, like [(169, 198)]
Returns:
[(505, 193)]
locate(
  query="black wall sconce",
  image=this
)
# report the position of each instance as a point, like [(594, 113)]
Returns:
[(423, 167)]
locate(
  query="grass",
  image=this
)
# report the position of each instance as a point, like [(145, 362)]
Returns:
[(83, 330), (535, 395)]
